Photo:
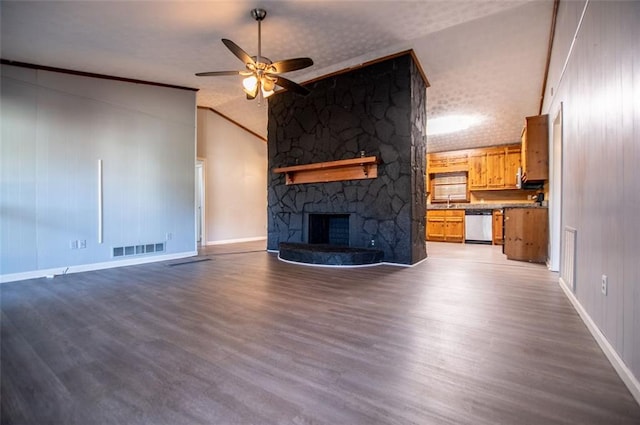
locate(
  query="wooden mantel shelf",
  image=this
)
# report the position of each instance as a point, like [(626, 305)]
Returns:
[(332, 171)]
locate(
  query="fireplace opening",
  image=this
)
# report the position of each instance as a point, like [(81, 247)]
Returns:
[(330, 229)]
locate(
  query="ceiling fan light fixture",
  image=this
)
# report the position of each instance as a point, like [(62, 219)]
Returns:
[(268, 85), (262, 75), (266, 93), (250, 85)]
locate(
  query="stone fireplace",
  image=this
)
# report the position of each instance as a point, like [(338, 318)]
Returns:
[(376, 110)]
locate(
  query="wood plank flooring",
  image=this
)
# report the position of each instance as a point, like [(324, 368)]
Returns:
[(466, 337)]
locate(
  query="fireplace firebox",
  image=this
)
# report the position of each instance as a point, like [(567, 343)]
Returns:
[(329, 229)]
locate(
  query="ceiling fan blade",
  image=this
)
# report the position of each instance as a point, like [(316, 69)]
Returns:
[(290, 85), (217, 73), (236, 50), (289, 65)]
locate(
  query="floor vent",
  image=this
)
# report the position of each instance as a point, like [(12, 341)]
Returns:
[(182, 263), (568, 266), (126, 251)]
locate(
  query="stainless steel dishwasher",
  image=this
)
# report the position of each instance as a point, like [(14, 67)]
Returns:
[(477, 227)]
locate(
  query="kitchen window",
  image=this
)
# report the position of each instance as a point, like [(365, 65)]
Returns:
[(449, 187)]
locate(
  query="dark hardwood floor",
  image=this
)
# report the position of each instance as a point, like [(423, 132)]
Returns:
[(466, 337)]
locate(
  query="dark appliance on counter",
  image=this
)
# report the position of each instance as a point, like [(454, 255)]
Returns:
[(478, 226)]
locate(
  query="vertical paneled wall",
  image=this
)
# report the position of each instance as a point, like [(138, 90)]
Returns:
[(55, 128), (600, 96), (371, 109)]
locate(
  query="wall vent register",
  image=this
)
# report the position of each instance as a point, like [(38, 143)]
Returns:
[(126, 251)]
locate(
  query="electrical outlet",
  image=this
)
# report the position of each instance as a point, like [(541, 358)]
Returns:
[(168, 236), (605, 284), (82, 244), (73, 244)]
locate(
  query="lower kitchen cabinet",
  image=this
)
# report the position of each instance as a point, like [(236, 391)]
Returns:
[(526, 234), (445, 225), (498, 217)]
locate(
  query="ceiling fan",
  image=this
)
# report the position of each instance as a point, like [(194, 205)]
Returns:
[(262, 75)]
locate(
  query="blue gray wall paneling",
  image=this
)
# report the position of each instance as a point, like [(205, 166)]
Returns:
[(55, 128), (597, 87)]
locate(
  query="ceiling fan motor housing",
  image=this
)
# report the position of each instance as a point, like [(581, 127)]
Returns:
[(258, 14)]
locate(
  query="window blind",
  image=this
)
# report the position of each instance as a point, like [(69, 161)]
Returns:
[(449, 186)]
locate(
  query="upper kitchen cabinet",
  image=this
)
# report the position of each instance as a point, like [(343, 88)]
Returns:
[(478, 169), (494, 168), (512, 162), (535, 148), (447, 162)]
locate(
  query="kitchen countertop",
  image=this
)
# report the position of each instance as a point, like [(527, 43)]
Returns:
[(484, 206)]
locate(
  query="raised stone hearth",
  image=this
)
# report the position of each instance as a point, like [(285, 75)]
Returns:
[(331, 255)]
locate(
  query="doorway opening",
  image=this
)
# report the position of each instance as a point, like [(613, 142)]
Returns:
[(555, 194)]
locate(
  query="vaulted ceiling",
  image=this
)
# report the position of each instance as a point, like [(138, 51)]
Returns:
[(484, 59)]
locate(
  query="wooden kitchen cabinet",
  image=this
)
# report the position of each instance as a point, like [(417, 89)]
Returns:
[(497, 228), (535, 148), (526, 234), (447, 162), (495, 168), (445, 225), (511, 164), (455, 226), (435, 226), (478, 170)]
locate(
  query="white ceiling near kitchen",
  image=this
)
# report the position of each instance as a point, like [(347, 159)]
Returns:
[(482, 58)]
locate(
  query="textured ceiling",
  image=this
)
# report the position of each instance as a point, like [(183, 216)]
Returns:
[(481, 57)]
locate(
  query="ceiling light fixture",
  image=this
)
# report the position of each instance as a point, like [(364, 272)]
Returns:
[(252, 84), (452, 124), (262, 76)]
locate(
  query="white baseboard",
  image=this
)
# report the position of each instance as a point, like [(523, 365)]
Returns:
[(623, 371), (228, 241), (58, 271)]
